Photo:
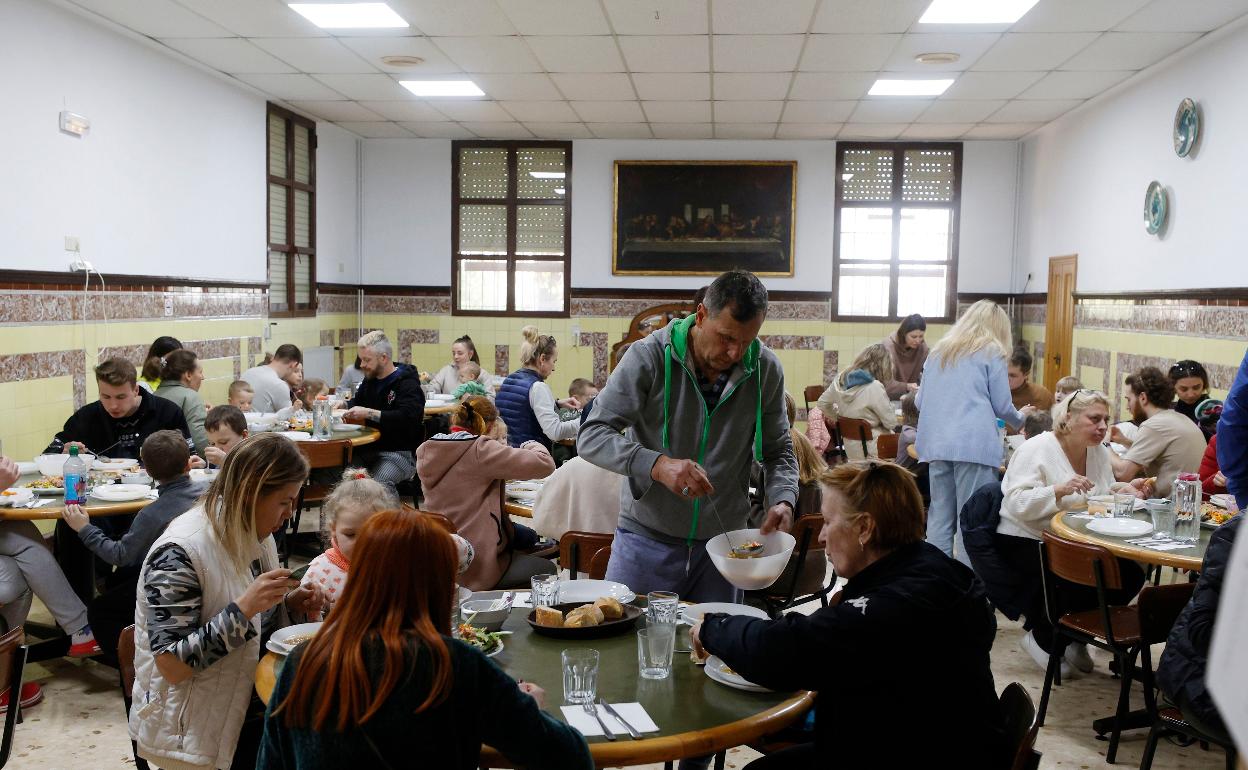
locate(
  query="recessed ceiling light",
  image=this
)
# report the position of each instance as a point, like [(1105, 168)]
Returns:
[(910, 87), (975, 11), (349, 15), (442, 87), (937, 58), (402, 61), (547, 174)]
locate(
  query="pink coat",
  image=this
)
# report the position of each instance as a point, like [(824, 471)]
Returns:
[(817, 430)]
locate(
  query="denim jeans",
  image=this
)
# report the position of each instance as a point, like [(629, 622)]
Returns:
[(952, 484)]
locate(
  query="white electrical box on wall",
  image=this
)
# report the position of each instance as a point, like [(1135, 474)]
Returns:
[(74, 124)]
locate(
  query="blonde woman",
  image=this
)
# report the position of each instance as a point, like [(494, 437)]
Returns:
[(210, 588), (965, 391), (859, 393), (525, 401)]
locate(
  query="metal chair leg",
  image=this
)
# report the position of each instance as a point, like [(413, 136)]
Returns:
[(1053, 669), (1150, 748), (1127, 664)]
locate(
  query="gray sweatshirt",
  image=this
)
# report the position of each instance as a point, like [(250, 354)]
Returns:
[(627, 432), (176, 498)]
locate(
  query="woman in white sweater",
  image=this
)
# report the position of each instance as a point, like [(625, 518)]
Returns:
[(859, 393)]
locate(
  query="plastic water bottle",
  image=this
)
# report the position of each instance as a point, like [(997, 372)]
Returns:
[(1186, 496), (75, 474), (1005, 448), (322, 417)]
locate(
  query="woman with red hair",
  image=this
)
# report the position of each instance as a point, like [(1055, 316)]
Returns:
[(384, 684)]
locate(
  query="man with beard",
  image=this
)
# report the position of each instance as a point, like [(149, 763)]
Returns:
[(389, 399), (1167, 443)]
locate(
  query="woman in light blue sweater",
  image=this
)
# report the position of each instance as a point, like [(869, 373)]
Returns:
[(965, 390)]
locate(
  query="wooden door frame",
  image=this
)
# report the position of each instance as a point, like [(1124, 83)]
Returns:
[(1058, 358)]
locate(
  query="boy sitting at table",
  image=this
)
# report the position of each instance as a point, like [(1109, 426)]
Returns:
[(168, 462), (240, 395), (226, 427)]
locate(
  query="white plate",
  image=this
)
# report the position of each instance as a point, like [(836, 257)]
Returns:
[(1222, 501), (27, 468), (117, 464), (346, 427), (524, 488), (1105, 501), (277, 642), (698, 611), (20, 496), (715, 670), (296, 435), (1120, 527), (204, 474), (589, 590), (121, 493)]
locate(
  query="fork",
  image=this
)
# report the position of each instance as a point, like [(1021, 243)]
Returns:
[(592, 709)]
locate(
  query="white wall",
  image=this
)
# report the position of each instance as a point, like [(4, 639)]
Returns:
[(1084, 178), (337, 226), (986, 237), (406, 211)]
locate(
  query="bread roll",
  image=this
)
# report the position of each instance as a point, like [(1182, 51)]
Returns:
[(611, 608), (549, 616), (585, 615)]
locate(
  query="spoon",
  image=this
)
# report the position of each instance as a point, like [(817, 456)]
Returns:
[(744, 551)]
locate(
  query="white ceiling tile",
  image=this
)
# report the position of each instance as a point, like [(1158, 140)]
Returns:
[(1001, 130), (336, 111), (620, 130), (1033, 51), (751, 85), (228, 54), (818, 112), (808, 131), (250, 18), (442, 130), (678, 112), (527, 86), (1076, 15), (991, 85), (489, 54), (315, 54), (747, 112), (373, 130), (751, 17), (608, 112), (831, 85), (473, 112), (846, 53), (745, 130), (499, 130), (968, 46), (155, 18), (936, 131), (683, 130), (408, 111), (289, 87), (658, 17), (1074, 85), (888, 110), (555, 17), (673, 85), (668, 53), (454, 17), (960, 110), (559, 130), (547, 112), (594, 86), (1033, 111), (373, 48), (756, 53), (871, 130), (1184, 16), (377, 87), (1129, 50), (577, 53), (856, 16)]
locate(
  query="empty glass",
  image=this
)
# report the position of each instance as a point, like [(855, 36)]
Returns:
[(1162, 513), (545, 590), (662, 608), (580, 676), (655, 645), (1122, 505)]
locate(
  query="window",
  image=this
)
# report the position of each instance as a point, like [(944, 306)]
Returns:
[(292, 214), (511, 227), (895, 250)]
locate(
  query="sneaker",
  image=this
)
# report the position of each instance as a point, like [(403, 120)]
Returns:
[(1030, 646), (1077, 656), (32, 693), (83, 644)]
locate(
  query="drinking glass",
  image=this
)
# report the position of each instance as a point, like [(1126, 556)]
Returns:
[(1123, 505), (1162, 513), (662, 608), (580, 676), (655, 645), (545, 590)]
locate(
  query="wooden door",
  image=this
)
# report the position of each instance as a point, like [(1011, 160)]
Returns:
[(1060, 317)]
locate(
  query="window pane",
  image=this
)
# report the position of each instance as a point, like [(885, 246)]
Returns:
[(539, 285), (863, 290), (303, 154), (277, 214), (927, 175), (483, 230), (483, 284), (921, 289), (482, 172), (303, 279), (277, 280), (277, 145), (303, 219), (539, 230), (540, 173), (870, 175), (867, 234), (925, 235)]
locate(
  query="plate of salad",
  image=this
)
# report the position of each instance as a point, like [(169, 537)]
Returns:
[(488, 642)]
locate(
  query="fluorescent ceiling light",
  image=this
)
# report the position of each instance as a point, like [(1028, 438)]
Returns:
[(546, 174), (349, 15), (442, 87), (884, 87), (975, 11)]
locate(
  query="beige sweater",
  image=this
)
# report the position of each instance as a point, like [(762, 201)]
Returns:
[(579, 497)]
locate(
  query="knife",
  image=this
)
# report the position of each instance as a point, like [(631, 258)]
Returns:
[(631, 730)]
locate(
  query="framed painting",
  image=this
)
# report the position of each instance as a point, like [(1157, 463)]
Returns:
[(703, 217)]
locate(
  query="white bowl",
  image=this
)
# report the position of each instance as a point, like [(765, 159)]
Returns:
[(54, 465), (754, 573), (136, 478), (476, 612)]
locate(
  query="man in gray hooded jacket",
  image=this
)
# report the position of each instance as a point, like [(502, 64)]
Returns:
[(682, 417)]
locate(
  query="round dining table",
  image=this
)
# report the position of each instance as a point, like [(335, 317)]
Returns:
[(54, 507), (696, 715), (1073, 525)]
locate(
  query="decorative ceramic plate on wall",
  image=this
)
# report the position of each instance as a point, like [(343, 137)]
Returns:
[(1154, 208), (1186, 127)]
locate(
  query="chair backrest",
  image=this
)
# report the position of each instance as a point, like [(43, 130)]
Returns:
[(577, 550), (1081, 562), (327, 454), (12, 662), (1159, 607), (1019, 714), (806, 532), (125, 658), (886, 446), (853, 429), (811, 394), (598, 564)]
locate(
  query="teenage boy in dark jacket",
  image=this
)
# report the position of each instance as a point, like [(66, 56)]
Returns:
[(391, 400)]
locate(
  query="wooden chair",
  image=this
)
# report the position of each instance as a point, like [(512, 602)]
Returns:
[(578, 549), (851, 429), (125, 659), (12, 663), (320, 455), (1021, 729), (835, 453), (1113, 629), (886, 446), (806, 571), (598, 564), (811, 394)]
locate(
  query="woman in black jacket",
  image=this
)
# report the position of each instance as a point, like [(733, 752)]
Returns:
[(900, 661)]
